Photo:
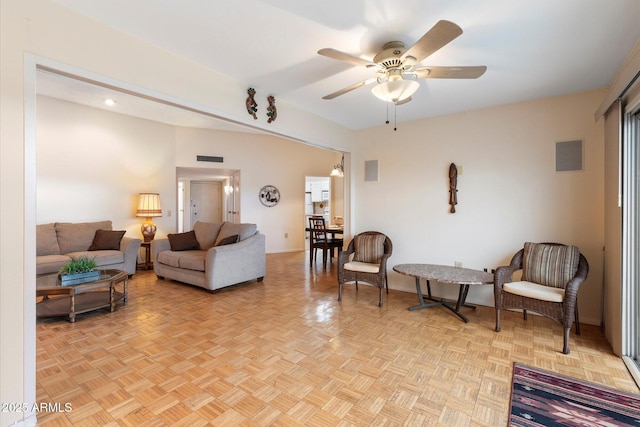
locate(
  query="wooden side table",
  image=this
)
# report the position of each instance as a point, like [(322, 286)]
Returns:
[(147, 264)]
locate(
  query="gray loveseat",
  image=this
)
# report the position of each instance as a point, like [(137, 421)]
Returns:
[(212, 255), (57, 242)]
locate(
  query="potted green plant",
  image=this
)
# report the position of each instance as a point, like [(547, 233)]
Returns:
[(79, 270)]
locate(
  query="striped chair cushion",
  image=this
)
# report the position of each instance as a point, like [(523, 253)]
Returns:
[(549, 265), (369, 248)]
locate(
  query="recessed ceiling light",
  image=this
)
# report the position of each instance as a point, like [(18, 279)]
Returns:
[(110, 102)]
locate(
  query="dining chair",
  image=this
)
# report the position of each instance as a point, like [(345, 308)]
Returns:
[(320, 240), (551, 276)]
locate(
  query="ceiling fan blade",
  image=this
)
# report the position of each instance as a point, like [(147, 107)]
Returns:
[(350, 88), (438, 36), (345, 57), (450, 72)]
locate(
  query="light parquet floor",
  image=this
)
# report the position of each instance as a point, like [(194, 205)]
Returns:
[(286, 352)]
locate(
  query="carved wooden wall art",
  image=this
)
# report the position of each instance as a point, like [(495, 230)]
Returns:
[(453, 187)]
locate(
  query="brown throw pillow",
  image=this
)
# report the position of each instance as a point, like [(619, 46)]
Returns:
[(106, 240), (229, 240), (183, 241)]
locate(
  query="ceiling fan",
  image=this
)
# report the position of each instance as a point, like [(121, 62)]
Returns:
[(395, 66)]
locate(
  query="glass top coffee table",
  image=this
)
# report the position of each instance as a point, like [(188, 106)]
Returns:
[(58, 300)]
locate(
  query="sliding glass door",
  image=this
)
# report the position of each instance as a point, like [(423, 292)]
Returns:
[(630, 180), (632, 136)]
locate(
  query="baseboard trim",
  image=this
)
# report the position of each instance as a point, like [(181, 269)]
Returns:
[(285, 251)]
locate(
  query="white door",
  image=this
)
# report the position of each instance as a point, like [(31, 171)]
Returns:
[(233, 198), (181, 203), (206, 201)]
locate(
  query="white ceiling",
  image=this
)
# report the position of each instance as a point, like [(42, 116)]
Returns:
[(93, 94), (532, 48)]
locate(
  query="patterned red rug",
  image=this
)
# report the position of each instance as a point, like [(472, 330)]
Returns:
[(543, 398)]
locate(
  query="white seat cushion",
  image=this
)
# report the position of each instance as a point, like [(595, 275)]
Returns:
[(362, 267), (534, 290)]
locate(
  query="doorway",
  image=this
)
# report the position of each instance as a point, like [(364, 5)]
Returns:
[(209, 195), (232, 197), (325, 196), (317, 198)]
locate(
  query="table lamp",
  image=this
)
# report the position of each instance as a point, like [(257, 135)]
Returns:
[(148, 207)]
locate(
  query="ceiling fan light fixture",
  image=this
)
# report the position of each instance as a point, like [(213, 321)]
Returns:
[(395, 90), (408, 63), (395, 66), (395, 74)]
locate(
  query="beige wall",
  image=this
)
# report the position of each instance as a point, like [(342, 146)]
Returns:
[(16, 336), (91, 165), (263, 160), (613, 228), (508, 191), (118, 156)]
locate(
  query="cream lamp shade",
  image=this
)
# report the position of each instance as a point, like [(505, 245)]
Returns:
[(395, 90), (148, 207)]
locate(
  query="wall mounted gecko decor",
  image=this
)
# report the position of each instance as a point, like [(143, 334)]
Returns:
[(272, 112), (252, 105), (453, 187)]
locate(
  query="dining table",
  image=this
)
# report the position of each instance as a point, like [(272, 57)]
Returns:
[(332, 230)]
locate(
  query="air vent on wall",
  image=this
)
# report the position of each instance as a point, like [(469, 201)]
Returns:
[(371, 170), (569, 156), (210, 159)]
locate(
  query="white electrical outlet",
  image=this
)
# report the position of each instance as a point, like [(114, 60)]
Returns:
[(168, 213), (458, 264)]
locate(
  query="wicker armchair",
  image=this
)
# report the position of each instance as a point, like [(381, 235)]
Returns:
[(365, 260), (552, 275)]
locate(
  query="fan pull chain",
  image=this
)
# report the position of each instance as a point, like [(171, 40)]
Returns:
[(387, 122), (395, 116)]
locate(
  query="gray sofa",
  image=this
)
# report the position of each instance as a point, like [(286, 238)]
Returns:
[(212, 255), (57, 242)]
